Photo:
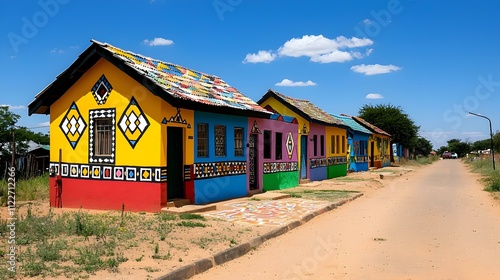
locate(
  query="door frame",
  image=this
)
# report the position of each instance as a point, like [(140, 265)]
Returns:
[(303, 157), (253, 148), (179, 174)]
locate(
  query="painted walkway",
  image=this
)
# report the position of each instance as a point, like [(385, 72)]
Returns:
[(268, 212)]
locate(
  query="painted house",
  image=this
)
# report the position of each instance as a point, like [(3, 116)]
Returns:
[(130, 130), (379, 145), (272, 153), (357, 139), (321, 142)]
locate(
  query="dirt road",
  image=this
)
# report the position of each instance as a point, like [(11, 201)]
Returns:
[(435, 223)]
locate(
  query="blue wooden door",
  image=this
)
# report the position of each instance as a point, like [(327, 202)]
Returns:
[(303, 157)]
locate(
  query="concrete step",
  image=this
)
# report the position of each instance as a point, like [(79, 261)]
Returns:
[(189, 209), (177, 202)]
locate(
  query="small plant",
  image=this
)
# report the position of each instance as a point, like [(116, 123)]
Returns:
[(139, 258), (157, 249), (180, 259), (191, 216), (190, 224)]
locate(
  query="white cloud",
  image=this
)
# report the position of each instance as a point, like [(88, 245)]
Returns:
[(12, 57), (158, 42), (374, 96), (374, 69), (368, 52), (322, 49), (290, 83), (56, 50), (13, 107), (367, 21), (44, 124), (261, 56)]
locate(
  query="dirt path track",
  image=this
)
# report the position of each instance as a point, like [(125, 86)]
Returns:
[(436, 223)]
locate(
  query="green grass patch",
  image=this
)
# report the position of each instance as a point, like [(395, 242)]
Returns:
[(190, 224), (27, 189), (491, 177), (191, 216)]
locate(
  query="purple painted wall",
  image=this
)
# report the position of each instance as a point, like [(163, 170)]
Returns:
[(317, 162), (257, 127)]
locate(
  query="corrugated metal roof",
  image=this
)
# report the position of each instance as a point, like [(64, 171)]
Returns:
[(352, 123)]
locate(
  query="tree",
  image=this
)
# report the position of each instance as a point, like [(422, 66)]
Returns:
[(423, 146), (8, 121), (394, 121), (459, 147), (481, 145)]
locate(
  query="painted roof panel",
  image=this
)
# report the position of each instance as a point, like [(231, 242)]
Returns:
[(352, 123), (184, 83), (311, 110)]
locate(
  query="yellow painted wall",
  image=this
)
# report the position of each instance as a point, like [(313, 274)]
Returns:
[(335, 131), (150, 149), (381, 145)]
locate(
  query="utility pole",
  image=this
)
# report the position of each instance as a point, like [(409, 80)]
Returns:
[(491, 137)]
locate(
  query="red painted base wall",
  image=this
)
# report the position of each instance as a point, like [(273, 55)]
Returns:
[(108, 195)]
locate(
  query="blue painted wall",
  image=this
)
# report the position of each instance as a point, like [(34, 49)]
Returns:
[(223, 187), (358, 166), (318, 173)]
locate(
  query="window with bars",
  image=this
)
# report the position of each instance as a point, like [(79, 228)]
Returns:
[(238, 141), (202, 136), (363, 144), (267, 144), (103, 137), (279, 145), (220, 140)]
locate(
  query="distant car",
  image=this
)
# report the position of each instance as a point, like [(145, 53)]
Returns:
[(454, 155), (446, 155)]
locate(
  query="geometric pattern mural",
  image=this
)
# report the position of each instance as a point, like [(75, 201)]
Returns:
[(101, 90), (318, 162), (217, 169), (73, 125), (112, 173), (336, 160), (289, 145), (133, 123), (98, 114), (177, 119), (361, 159), (274, 167)]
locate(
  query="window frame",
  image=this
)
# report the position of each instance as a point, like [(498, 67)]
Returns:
[(278, 151), (217, 134), (322, 145), (239, 151), (94, 117), (267, 144), (205, 139)]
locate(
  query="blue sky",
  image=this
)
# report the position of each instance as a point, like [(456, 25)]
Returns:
[(437, 60)]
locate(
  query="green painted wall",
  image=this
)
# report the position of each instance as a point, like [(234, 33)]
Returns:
[(337, 170), (280, 180)]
